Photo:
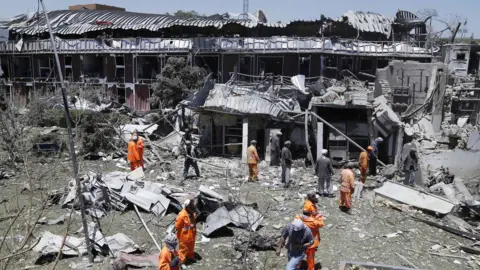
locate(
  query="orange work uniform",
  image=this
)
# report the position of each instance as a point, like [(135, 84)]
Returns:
[(186, 233), (314, 224), (347, 187), (363, 166), (310, 207), (165, 258), (252, 161), (141, 148), (133, 156)]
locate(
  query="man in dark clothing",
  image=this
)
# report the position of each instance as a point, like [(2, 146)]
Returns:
[(372, 158), (286, 163), (410, 166), (190, 152), (300, 237), (324, 172), (275, 149)]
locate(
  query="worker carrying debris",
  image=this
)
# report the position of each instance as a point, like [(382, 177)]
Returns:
[(186, 227), (347, 187), (168, 258), (252, 160), (140, 147), (275, 149), (373, 156), (324, 172), (299, 239), (190, 154), (133, 153), (286, 161), (410, 166), (363, 164), (314, 222)]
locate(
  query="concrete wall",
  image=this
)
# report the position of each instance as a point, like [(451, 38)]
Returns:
[(412, 75)]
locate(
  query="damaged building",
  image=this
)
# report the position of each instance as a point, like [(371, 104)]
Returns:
[(122, 52)]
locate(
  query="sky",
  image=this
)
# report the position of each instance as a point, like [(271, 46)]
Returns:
[(276, 10)]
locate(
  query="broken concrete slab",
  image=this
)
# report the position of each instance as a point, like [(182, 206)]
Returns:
[(473, 143), (368, 265), (136, 174), (415, 198), (210, 193)]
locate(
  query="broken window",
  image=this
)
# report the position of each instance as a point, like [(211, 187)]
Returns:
[(209, 63), (121, 95), (246, 64), (304, 66), (120, 66), (22, 66), (347, 63), (45, 66), (467, 106), (68, 67), (461, 56), (148, 67), (270, 65), (92, 66), (366, 64)]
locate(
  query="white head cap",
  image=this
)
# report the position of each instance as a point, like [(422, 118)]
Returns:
[(135, 138), (380, 139), (324, 152)]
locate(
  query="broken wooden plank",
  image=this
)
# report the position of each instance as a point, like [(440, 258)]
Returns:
[(470, 250), (449, 256), (366, 265), (410, 264), (467, 235)]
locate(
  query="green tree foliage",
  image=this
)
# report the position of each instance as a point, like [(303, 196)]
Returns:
[(186, 14), (176, 81)]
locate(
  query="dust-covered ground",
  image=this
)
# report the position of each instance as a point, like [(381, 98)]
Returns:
[(359, 237)]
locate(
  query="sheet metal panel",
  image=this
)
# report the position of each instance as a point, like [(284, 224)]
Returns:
[(415, 198)]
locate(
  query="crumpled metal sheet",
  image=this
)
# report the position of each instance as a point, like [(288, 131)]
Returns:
[(241, 216), (75, 22), (369, 22)]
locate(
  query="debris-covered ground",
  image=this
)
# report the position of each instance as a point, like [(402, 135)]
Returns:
[(376, 232)]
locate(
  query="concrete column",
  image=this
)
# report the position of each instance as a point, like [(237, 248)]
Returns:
[(399, 147), (319, 139), (437, 115), (244, 139), (268, 134)]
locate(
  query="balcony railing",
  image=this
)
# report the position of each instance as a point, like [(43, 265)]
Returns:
[(225, 45)]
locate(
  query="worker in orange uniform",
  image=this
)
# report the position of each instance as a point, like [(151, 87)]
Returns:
[(252, 161), (168, 259), (186, 227), (314, 222), (140, 147), (347, 187), (310, 203), (363, 165), (133, 155)]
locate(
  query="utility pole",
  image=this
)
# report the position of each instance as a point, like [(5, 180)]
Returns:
[(245, 9), (73, 156)]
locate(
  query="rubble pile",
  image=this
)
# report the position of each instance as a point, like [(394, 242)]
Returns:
[(441, 175)]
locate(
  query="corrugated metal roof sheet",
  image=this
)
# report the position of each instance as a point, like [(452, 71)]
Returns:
[(68, 22), (237, 100), (369, 22)]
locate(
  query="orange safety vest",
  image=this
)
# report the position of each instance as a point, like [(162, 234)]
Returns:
[(186, 228), (252, 155), (133, 155), (309, 206), (165, 258), (140, 147), (314, 224), (363, 160), (347, 180)]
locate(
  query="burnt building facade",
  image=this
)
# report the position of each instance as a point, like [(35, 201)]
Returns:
[(123, 52)]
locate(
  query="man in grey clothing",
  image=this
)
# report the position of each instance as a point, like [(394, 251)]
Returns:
[(410, 166), (275, 149), (324, 172), (299, 239), (286, 163)]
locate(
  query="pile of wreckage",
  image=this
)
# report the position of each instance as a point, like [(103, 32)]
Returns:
[(119, 191)]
